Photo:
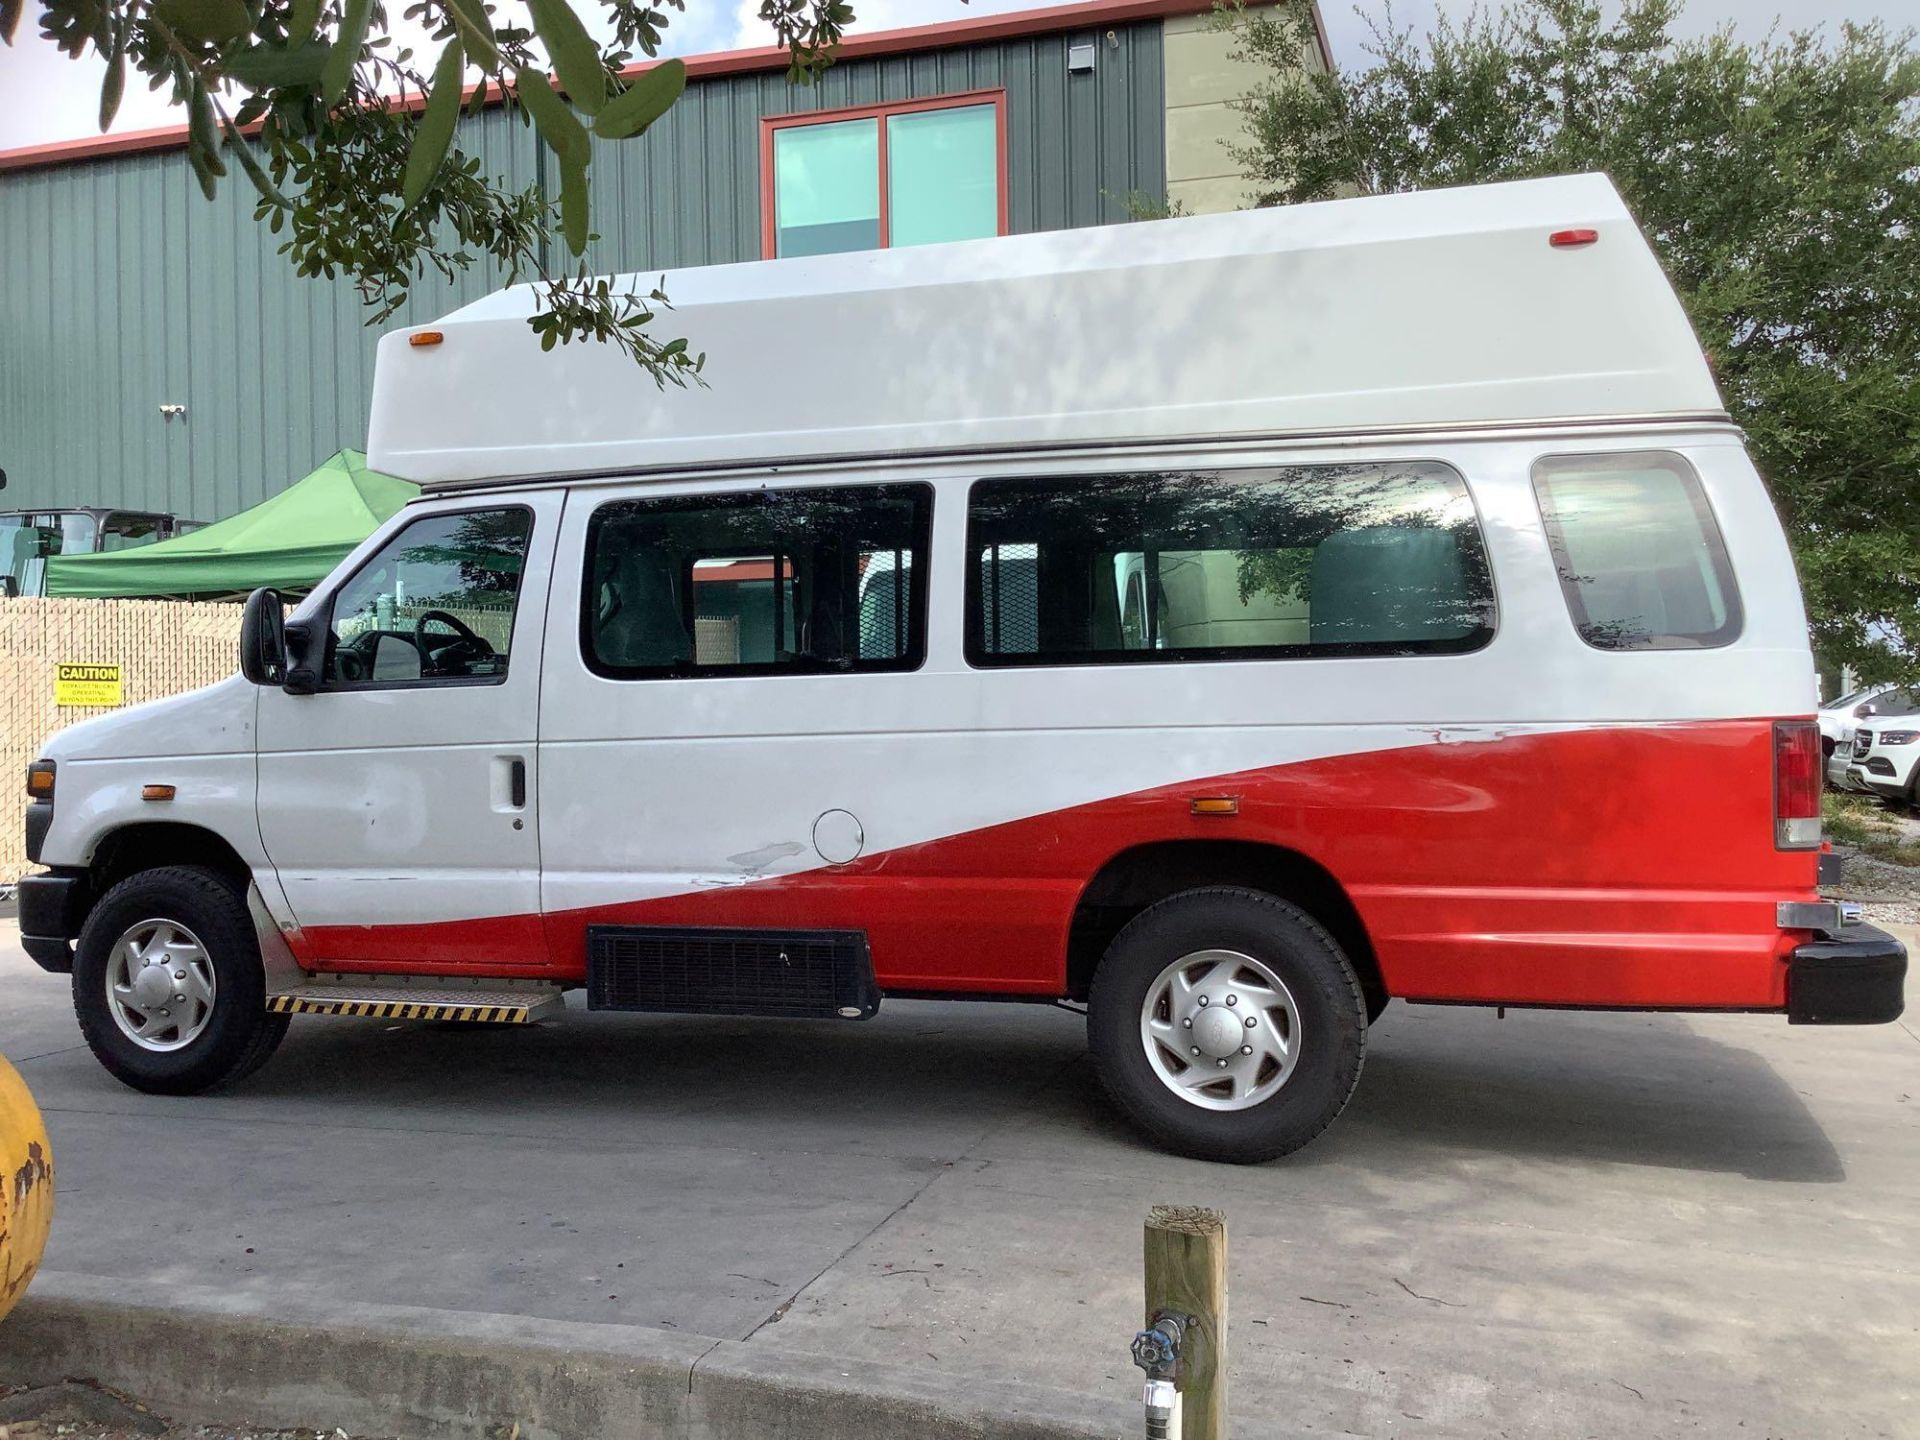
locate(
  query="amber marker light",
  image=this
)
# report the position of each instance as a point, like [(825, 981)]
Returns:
[(156, 792), (1214, 805), (421, 338), (40, 780)]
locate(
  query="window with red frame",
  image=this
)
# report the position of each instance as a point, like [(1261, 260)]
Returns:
[(909, 174)]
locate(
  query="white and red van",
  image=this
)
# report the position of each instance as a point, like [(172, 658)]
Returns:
[(1232, 623)]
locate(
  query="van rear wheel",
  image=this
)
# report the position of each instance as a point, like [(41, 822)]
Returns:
[(1228, 1024), (168, 986)]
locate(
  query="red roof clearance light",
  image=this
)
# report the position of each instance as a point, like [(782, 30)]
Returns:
[(1572, 239)]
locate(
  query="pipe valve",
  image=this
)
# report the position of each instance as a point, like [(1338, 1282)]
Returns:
[(1156, 1350)]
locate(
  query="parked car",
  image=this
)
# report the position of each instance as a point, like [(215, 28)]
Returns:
[(1840, 719), (1284, 612), (1885, 756)]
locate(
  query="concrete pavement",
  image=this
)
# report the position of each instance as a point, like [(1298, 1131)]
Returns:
[(1549, 1224)]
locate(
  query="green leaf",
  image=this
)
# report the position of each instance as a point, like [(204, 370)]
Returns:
[(203, 135), (337, 74), (576, 59), (649, 97), (303, 18), (437, 123), (116, 77), (265, 67), (576, 219), (552, 117), (215, 21), (471, 17)]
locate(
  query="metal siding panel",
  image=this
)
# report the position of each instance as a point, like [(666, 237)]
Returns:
[(123, 289)]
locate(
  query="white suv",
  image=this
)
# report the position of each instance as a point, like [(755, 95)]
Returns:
[(1840, 726), (1885, 752)]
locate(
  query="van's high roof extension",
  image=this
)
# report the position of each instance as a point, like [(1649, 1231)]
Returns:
[(1537, 301)]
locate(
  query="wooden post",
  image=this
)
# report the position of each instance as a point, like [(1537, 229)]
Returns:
[(1186, 1265)]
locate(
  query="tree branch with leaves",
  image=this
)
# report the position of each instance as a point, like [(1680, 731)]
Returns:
[(323, 114), (1779, 182)]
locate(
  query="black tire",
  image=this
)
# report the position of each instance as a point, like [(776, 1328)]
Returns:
[(240, 1034), (1331, 1035)]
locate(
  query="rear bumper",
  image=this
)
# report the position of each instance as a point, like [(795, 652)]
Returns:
[(1854, 976), (53, 906)]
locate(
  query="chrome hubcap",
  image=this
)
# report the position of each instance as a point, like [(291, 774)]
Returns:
[(160, 985), (1220, 1029)]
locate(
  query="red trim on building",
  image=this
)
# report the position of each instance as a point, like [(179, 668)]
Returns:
[(1049, 19), (770, 124)]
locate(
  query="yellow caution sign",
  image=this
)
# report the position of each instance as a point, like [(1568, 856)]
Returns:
[(26, 1187), (86, 684)]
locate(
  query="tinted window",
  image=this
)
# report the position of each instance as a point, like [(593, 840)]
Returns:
[(1641, 561), (760, 582), (1274, 563), (435, 604)]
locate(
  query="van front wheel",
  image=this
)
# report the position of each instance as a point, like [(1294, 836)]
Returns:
[(167, 983), (1228, 1024)]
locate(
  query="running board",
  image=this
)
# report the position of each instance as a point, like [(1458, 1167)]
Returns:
[(391, 998)]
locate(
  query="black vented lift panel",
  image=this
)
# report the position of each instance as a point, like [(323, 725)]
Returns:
[(806, 974)]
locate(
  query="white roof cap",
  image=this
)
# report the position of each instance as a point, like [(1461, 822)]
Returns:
[(1442, 308)]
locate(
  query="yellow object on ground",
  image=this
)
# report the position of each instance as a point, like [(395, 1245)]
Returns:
[(26, 1187)]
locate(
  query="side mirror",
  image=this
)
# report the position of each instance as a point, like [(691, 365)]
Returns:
[(1866, 711), (263, 638)]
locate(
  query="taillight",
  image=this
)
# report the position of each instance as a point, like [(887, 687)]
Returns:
[(1796, 785)]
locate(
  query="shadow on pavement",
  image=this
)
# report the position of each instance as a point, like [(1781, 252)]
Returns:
[(1628, 1089), (1625, 1089)]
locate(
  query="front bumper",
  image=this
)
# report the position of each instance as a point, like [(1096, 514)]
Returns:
[(1856, 975), (53, 906)]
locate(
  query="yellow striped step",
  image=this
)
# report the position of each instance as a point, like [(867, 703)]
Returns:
[(423, 1000)]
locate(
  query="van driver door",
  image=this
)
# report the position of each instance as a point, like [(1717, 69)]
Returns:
[(398, 803)]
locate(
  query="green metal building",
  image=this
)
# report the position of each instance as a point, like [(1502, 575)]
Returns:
[(157, 354)]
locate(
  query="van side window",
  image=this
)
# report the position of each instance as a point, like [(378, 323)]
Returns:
[(759, 582), (1640, 558), (1306, 560), (434, 605)]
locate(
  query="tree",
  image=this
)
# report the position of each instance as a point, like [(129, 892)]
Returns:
[(322, 112), (1779, 182)]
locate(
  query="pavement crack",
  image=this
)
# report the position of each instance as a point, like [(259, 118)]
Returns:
[(45, 1054), (780, 1310), (1430, 1299), (999, 1123), (696, 1362)]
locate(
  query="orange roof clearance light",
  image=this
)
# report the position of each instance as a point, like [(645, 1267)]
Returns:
[(422, 338)]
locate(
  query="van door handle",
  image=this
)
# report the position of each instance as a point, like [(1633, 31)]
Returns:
[(507, 784)]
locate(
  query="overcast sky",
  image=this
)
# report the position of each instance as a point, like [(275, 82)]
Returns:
[(45, 97)]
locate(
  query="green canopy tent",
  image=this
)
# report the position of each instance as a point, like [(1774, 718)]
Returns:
[(289, 542)]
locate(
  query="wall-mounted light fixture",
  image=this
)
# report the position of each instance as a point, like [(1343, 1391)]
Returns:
[(171, 409)]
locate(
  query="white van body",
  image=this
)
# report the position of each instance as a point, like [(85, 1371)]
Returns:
[(1301, 608)]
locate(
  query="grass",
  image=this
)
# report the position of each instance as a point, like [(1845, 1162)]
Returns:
[(1864, 824)]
